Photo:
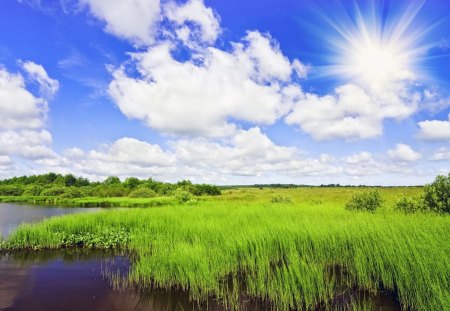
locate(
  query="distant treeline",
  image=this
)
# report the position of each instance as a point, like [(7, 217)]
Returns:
[(70, 186)]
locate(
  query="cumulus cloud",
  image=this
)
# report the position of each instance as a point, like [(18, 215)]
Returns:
[(134, 20), (23, 115), (19, 108), (351, 112), (249, 83), (403, 152), (206, 26), (434, 129)]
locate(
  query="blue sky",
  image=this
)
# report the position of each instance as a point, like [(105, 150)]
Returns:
[(350, 92)]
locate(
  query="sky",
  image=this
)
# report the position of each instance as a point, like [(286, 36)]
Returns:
[(226, 92)]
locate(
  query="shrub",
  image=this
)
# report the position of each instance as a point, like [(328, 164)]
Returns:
[(53, 191), (182, 195), (10, 190), (281, 199), (368, 201), (72, 192), (410, 205), (33, 190), (142, 193), (437, 194)]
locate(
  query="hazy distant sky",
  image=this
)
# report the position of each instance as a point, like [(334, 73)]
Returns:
[(229, 92)]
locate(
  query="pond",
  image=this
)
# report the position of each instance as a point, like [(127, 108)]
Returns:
[(75, 279)]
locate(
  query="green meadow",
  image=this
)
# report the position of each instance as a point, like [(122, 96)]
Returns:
[(296, 248)]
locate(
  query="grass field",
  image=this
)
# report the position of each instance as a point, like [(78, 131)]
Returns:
[(298, 254)]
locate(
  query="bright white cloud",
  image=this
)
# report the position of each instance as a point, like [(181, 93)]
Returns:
[(29, 144), (47, 86), (23, 115), (351, 112), (194, 11), (134, 20), (403, 152), (249, 83), (18, 107), (434, 129)]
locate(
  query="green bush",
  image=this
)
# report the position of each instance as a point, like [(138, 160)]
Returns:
[(10, 190), (368, 201), (142, 193), (410, 205), (182, 195), (54, 191), (72, 192), (33, 190), (437, 195)]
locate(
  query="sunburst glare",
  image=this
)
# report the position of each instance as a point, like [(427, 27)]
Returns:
[(375, 47)]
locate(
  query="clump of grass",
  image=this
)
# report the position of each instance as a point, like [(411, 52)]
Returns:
[(368, 201), (281, 199)]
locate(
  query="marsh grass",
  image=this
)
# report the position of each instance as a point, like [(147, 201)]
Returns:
[(297, 256)]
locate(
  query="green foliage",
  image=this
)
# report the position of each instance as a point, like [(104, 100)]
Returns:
[(112, 180), (182, 196), (33, 190), (54, 191), (10, 190), (410, 205), (132, 182), (368, 201), (437, 195), (72, 192), (142, 193), (281, 199)]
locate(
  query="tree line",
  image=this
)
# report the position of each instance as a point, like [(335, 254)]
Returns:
[(71, 186)]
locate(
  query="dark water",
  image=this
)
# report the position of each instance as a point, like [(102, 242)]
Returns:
[(76, 279)]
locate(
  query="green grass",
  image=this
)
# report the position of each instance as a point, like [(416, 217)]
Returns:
[(298, 254)]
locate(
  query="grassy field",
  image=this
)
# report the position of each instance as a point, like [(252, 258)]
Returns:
[(301, 253)]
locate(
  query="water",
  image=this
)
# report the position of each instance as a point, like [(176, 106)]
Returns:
[(74, 279), (12, 215)]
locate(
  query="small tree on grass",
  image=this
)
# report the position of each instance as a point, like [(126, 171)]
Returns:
[(437, 194), (368, 201)]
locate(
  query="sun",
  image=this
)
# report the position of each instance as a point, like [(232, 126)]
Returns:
[(377, 63), (374, 49)]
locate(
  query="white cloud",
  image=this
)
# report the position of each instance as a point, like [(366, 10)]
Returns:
[(249, 83), (403, 152), (442, 154), (194, 11), (47, 86), (134, 20), (29, 144), (358, 158), (23, 115), (18, 107), (434, 129), (351, 112)]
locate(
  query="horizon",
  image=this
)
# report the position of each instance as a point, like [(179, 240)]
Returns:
[(227, 93)]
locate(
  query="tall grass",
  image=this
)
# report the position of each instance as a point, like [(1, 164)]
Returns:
[(296, 255)]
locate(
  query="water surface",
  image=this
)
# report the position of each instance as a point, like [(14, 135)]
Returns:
[(12, 215)]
